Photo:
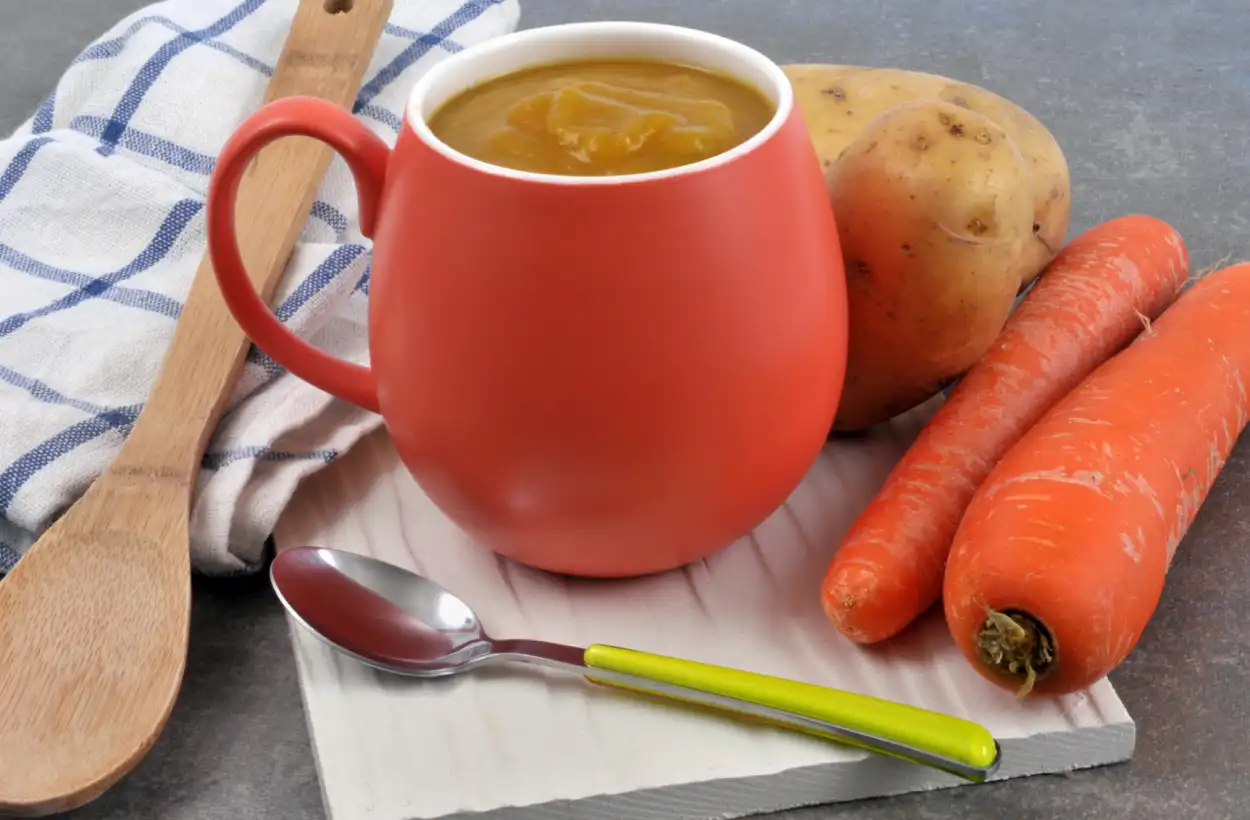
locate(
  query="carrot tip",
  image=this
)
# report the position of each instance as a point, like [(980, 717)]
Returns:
[(1016, 644)]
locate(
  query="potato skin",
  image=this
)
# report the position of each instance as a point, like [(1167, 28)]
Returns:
[(934, 213), (838, 101)]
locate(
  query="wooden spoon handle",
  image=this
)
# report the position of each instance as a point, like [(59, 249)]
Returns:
[(326, 53)]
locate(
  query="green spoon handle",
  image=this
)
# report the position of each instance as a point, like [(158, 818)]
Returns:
[(951, 744)]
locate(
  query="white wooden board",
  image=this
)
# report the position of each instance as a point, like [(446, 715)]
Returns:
[(525, 743)]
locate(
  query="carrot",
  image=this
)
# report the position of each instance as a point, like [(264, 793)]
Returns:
[(1090, 302), (1061, 556)]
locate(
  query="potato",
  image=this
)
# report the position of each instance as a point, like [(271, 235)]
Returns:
[(934, 213), (837, 102)]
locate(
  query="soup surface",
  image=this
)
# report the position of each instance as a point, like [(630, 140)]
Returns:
[(602, 117)]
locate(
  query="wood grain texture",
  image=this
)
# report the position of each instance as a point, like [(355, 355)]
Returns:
[(522, 743), (94, 620)]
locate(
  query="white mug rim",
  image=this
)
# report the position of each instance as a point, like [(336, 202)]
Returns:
[(537, 40)]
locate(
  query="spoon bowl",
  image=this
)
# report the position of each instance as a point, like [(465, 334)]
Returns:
[(397, 621), (392, 619), (379, 613), (93, 635)]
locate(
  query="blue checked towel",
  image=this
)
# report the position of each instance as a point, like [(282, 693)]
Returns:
[(102, 227)]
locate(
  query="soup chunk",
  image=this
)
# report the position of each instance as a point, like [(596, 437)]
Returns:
[(601, 118)]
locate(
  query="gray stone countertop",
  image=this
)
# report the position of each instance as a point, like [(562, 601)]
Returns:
[(1150, 100)]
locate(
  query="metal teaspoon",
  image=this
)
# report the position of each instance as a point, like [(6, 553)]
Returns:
[(400, 622)]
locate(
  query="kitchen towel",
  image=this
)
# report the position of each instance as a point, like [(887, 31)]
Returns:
[(102, 228)]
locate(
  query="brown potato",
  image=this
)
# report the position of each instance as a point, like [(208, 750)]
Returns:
[(934, 213), (838, 101)]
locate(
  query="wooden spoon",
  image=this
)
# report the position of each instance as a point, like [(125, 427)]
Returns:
[(94, 619)]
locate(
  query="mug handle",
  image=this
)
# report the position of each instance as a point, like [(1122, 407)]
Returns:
[(366, 155)]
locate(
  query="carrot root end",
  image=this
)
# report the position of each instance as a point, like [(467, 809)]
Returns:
[(1018, 645), (1202, 274)]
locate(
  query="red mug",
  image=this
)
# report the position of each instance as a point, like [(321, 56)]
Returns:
[(597, 376)]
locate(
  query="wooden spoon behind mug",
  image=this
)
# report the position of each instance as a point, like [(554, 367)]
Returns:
[(94, 619)]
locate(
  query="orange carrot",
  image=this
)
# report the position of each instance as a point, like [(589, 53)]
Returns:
[(1061, 556), (1091, 301)]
